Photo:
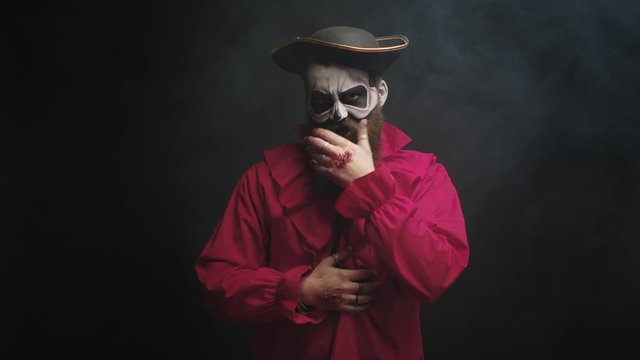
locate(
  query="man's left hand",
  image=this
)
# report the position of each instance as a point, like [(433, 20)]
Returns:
[(338, 158)]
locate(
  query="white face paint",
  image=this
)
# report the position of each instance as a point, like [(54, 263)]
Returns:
[(335, 91)]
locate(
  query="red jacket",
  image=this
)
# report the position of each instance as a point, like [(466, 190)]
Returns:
[(406, 226)]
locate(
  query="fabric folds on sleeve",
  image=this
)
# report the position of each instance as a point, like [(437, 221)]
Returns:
[(238, 283), (415, 224), (366, 194)]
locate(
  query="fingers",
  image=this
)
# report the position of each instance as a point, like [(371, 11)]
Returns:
[(324, 146), (357, 299), (355, 303), (320, 158), (358, 275), (323, 170), (362, 287), (331, 137), (363, 134)]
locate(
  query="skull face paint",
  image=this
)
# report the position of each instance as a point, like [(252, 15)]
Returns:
[(334, 92)]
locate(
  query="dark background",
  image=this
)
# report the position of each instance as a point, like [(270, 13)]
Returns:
[(133, 121)]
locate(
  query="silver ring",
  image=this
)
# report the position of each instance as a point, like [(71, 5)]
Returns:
[(324, 145), (363, 137)]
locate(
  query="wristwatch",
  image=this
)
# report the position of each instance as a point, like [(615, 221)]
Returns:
[(302, 308)]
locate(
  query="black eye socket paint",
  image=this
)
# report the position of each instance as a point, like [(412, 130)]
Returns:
[(356, 96), (320, 102)]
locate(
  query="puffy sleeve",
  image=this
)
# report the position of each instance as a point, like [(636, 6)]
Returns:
[(233, 267), (416, 227)]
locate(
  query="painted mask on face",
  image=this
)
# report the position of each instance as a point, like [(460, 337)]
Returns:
[(335, 92)]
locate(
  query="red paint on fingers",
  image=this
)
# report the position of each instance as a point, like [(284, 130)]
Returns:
[(341, 160)]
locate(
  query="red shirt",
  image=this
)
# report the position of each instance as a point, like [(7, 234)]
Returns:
[(406, 225)]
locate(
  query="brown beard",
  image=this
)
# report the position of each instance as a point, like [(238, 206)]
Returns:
[(348, 128)]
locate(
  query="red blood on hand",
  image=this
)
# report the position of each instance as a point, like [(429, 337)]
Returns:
[(343, 159)]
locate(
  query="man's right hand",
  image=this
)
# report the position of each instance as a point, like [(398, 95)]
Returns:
[(330, 288)]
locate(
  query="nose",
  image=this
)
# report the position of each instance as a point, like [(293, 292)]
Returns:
[(339, 112)]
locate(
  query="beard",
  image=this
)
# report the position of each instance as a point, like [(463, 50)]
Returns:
[(348, 129)]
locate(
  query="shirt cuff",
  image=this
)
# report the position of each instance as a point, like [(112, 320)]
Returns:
[(360, 198), (288, 295)]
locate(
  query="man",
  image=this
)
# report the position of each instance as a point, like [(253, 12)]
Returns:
[(329, 246)]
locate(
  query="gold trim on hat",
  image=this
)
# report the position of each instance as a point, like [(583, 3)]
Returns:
[(303, 39)]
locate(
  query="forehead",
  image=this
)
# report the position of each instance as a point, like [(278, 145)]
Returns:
[(334, 77)]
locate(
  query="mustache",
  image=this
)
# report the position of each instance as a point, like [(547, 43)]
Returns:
[(348, 128), (342, 128)]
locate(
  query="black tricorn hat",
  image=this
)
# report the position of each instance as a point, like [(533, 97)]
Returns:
[(341, 45)]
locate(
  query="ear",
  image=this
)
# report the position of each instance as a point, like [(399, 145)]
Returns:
[(383, 92)]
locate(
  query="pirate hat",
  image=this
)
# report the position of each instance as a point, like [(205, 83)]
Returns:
[(342, 45)]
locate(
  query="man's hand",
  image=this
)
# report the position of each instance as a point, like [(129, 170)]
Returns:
[(331, 288), (338, 158)]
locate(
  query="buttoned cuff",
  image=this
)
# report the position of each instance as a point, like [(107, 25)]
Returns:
[(288, 295), (360, 198)]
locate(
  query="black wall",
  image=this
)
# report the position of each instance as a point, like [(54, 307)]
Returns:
[(131, 122)]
